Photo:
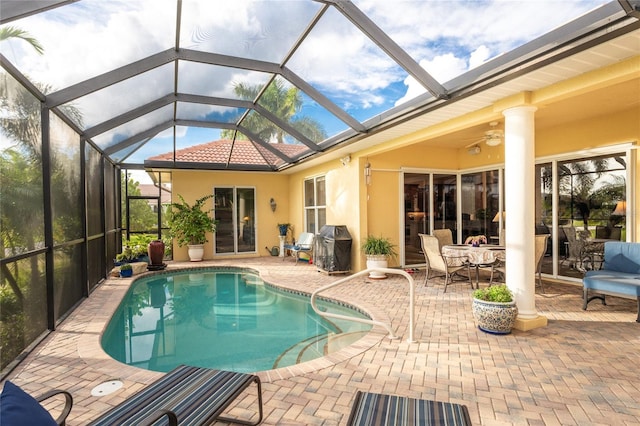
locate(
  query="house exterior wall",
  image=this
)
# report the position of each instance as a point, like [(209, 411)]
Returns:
[(374, 209), (195, 184)]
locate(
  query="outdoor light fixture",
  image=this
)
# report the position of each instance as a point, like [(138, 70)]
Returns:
[(346, 159), (273, 204), (367, 173), (474, 150)]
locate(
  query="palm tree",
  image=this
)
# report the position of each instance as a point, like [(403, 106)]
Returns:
[(284, 102), (13, 32)]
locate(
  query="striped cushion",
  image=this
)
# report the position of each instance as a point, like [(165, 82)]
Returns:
[(376, 409), (196, 395)]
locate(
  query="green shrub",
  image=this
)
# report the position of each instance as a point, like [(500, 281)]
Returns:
[(494, 293)]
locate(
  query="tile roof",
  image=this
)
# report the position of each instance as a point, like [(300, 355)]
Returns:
[(234, 152)]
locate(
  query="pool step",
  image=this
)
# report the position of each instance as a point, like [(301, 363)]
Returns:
[(316, 346)]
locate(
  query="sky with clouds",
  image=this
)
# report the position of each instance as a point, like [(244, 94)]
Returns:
[(446, 37)]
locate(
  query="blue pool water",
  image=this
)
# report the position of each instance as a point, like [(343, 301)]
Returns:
[(222, 318)]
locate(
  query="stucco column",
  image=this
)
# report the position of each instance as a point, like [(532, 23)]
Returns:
[(519, 155)]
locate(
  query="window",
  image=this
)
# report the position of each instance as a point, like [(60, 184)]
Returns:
[(315, 204)]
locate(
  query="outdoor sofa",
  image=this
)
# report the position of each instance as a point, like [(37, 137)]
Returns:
[(619, 275)]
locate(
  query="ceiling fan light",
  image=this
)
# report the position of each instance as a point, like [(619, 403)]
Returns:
[(494, 137), (493, 141)]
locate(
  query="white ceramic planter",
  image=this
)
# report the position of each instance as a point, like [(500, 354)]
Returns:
[(196, 252), (377, 261), (495, 317)]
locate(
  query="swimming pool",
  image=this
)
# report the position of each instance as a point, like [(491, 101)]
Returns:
[(224, 318)]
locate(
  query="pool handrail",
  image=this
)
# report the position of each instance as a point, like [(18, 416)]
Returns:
[(370, 321)]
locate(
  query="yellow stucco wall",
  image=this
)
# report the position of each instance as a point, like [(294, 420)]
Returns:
[(588, 134), (195, 184), (343, 198)]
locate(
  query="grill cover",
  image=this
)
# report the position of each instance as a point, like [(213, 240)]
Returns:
[(332, 251)]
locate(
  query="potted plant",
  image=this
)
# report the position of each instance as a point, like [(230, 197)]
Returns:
[(126, 270), (378, 250), (494, 309), (189, 224), (283, 228)]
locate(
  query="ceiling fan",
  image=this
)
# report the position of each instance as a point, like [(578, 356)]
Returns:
[(492, 137)]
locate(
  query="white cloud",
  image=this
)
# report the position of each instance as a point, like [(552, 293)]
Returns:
[(447, 38), (478, 57)]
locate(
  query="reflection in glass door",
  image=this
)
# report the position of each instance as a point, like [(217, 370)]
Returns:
[(480, 205), (235, 213), (590, 206), (416, 215), (445, 203), (422, 202)]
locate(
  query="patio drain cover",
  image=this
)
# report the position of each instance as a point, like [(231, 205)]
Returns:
[(106, 388)]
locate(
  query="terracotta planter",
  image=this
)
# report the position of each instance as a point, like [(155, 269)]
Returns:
[(156, 252), (495, 317)]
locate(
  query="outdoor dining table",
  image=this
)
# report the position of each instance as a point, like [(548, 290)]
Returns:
[(484, 254)]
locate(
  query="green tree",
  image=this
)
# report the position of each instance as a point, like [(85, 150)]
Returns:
[(141, 216), (285, 103), (13, 32)]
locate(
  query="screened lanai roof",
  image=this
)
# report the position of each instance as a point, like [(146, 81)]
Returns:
[(264, 85)]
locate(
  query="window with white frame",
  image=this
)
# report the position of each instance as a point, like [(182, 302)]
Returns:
[(315, 204)]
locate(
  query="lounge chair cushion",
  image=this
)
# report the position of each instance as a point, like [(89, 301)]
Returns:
[(18, 408), (195, 395), (372, 409)]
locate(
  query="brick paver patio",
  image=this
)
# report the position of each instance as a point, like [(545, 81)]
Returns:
[(582, 369)]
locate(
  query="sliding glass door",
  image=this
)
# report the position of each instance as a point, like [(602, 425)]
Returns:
[(235, 212), (481, 205), (430, 202), (416, 215), (590, 205)]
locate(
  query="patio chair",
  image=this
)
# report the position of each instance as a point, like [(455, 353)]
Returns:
[(18, 407), (304, 245), (444, 236), (575, 244), (186, 396), (445, 265), (541, 249), (378, 409)]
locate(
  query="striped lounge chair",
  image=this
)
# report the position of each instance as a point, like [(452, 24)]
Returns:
[(184, 396), (372, 409)]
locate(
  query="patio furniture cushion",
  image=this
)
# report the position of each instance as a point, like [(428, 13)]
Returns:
[(379, 409), (621, 263), (18, 408), (304, 245), (622, 256), (195, 395)]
